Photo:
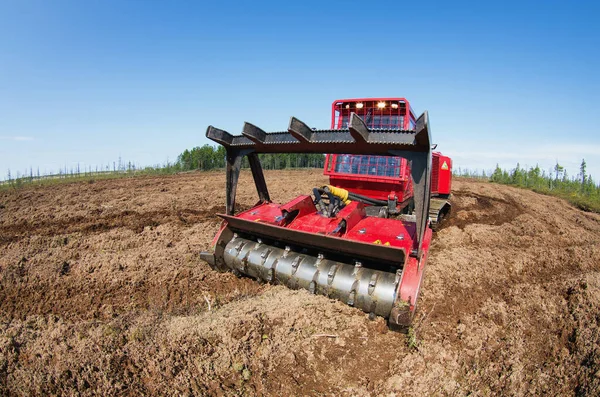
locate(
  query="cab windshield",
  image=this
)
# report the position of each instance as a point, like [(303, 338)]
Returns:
[(377, 121), (367, 165)]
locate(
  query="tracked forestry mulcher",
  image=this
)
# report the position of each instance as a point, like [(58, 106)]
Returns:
[(362, 239)]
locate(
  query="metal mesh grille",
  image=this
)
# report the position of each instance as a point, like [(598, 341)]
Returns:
[(367, 165), (435, 172)]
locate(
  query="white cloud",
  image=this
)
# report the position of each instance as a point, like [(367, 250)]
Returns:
[(17, 138)]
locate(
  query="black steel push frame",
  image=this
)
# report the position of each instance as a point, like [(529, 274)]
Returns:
[(413, 145)]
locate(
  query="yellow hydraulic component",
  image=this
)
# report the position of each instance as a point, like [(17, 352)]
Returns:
[(380, 242), (341, 193)]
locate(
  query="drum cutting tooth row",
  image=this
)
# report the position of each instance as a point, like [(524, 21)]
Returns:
[(370, 290)]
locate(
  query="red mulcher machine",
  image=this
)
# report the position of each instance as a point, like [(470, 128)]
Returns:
[(362, 239)]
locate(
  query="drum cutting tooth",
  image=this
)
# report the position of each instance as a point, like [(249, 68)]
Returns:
[(398, 277), (312, 288), (331, 274), (264, 255), (295, 264), (372, 315), (271, 276), (351, 297), (372, 283), (239, 246)]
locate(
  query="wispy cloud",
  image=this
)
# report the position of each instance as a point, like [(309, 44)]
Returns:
[(17, 138), (545, 155)]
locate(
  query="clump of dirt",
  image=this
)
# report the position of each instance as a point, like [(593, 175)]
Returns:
[(102, 292)]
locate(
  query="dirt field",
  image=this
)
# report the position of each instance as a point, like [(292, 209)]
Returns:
[(102, 292)]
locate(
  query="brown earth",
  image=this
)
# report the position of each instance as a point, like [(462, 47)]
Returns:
[(102, 292)]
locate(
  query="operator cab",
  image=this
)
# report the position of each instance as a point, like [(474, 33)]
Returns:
[(372, 175), (377, 113), (383, 177), (387, 113)]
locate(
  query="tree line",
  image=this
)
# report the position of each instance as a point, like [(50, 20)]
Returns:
[(209, 157), (580, 189), (202, 158)]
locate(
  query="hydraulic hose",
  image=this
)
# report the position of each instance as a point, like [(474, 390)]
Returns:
[(339, 192), (347, 196), (337, 196), (334, 202), (366, 200), (319, 200)]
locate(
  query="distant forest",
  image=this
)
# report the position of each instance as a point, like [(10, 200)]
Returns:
[(208, 157), (203, 158), (580, 189)]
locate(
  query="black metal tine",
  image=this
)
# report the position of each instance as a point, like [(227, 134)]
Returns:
[(300, 138), (358, 129), (422, 136), (254, 133), (220, 136), (300, 130)]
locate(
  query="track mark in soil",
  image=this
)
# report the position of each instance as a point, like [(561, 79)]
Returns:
[(22, 295), (96, 223), (472, 208)]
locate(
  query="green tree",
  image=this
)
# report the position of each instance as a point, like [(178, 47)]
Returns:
[(558, 169), (497, 175), (582, 170)]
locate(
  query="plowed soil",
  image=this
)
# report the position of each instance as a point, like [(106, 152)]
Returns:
[(102, 293)]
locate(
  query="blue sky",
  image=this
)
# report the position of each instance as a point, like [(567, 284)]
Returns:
[(90, 81)]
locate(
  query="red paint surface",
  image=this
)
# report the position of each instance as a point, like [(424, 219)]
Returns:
[(359, 227), (412, 275)]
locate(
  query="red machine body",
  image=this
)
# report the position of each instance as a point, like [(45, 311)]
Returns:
[(441, 175), (341, 248)]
